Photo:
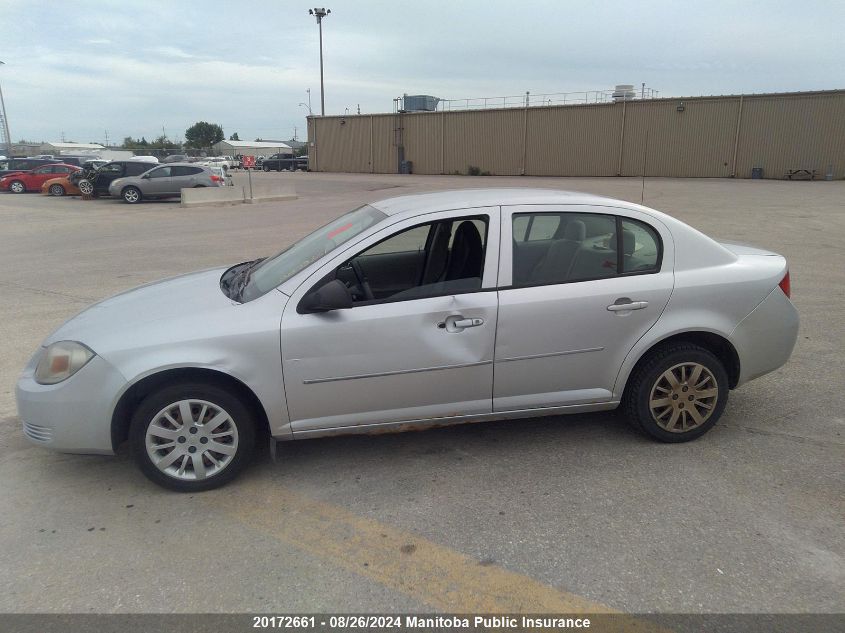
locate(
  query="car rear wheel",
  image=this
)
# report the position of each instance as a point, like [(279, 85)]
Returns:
[(192, 436), (677, 394), (86, 187), (131, 195), (17, 186), (57, 190)]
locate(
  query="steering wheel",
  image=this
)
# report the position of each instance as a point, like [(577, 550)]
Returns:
[(362, 280)]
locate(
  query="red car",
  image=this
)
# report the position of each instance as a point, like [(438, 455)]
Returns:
[(22, 181)]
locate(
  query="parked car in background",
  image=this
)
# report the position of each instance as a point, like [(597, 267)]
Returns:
[(224, 174), (165, 181), (224, 162), (145, 159), (176, 158), (24, 164), (61, 186), (94, 163), (96, 181), (279, 162), (78, 159), (23, 181)]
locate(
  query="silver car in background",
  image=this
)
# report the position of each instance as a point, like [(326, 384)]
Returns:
[(416, 312), (165, 181)]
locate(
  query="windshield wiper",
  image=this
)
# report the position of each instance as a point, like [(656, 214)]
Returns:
[(243, 278)]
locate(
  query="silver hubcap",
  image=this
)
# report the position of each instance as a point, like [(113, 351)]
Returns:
[(683, 397), (57, 190), (131, 195), (17, 187), (192, 439), (86, 187)]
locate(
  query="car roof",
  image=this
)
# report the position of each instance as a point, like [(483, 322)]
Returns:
[(471, 198)]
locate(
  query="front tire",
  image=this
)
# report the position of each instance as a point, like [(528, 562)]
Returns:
[(677, 393), (16, 186), (57, 190), (132, 195), (86, 187), (192, 436), (266, 169)]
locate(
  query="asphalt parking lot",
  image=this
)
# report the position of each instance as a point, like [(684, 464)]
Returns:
[(553, 514)]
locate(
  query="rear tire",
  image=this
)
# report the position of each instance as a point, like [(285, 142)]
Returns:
[(677, 393), (57, 190), (206, 451)]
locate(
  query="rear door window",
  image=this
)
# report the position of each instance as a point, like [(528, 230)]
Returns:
[(567, 247), (179, 170)]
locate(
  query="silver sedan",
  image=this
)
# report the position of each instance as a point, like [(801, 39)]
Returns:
[(415, 312)]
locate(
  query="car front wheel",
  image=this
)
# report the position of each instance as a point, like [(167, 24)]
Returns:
[(57, 190), (677, 393), (17, 187), (131, 195), (191, 437), (86, 187)]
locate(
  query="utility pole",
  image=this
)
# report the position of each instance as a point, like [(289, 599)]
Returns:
[(4, 123), (320, 13), (107, 138)]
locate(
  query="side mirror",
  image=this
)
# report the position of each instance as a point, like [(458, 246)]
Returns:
[(333, 295)]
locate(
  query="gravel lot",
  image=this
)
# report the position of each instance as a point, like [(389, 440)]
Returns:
[(530, 515)]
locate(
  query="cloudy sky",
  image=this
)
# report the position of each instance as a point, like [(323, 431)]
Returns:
[(134, 67)]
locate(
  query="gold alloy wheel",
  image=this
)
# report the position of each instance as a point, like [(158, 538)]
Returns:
[(683, 397)]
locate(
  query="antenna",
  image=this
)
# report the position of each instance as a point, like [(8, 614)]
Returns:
[(645, 157)]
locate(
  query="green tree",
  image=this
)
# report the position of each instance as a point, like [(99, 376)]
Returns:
[(234, 137), (202, 134), (128, 142)]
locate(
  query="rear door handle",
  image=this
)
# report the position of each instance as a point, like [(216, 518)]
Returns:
[(457, 323), (463, 323), (625, 304)]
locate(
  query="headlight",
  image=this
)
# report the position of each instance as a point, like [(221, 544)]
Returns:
[(60, 361)]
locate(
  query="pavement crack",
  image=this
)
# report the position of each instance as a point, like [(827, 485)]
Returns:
[(49, 293), (793, 438)]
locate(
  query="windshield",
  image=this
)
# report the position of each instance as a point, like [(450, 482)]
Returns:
[(275, 270)]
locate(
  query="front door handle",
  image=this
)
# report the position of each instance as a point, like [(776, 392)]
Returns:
[(623, 304), (457, 323)]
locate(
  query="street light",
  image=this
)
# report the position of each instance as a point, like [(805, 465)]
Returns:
[(320, 13), (4, 122)]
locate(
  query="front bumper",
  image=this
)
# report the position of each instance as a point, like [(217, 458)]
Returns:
[(73, 416)]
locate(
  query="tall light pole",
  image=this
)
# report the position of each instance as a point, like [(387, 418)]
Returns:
[(4, 122), (320, 13)]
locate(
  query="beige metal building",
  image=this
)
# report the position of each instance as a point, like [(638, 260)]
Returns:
[(721, 136)]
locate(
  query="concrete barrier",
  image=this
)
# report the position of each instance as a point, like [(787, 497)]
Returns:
[(212, 196), (221, 196)]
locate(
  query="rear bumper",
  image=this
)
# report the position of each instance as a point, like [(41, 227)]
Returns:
[(73, 416), (765, 338)]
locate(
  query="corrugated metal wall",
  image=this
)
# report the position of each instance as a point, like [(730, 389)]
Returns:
[(685, 137)]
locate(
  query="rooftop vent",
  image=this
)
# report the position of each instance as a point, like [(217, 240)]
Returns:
[(624, 92), (419, 103)]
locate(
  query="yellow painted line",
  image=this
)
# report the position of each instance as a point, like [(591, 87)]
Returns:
[(445, 579)]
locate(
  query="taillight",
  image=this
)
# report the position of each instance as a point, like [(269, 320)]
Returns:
[(216, 179), (784, 284)]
